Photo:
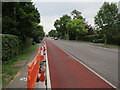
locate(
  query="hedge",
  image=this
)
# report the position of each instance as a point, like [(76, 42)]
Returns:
[(10, 46), (88, 38), (25, 44)]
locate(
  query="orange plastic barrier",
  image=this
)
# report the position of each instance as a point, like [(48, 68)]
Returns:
[(33, 71), (42, 53), (42, 77)]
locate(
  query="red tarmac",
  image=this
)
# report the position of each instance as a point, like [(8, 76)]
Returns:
[(66, 72)]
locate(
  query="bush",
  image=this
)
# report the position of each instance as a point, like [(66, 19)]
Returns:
[(38, 39), (10, 46), (113, 39), (101, 40), (25, 44), (88, 38)]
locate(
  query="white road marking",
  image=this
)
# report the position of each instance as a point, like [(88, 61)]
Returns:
[(23, 79), (29, 63), (91, 70), (48, 73)]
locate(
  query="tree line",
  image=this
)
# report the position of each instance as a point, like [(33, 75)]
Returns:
[(21, 19), (20, 27), (75, 27)]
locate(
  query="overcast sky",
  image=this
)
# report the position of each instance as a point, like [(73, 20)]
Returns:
[(50, 11)]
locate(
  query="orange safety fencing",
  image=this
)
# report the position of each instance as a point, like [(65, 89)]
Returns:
[(42, 53), (33, 71)]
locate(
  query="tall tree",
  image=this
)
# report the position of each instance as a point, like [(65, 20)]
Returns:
[(76, 14), (38, 33), (60, 25), (19, 18), (76, 28), (106, 19), (52, 33)]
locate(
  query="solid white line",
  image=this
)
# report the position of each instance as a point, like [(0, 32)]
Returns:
[(91, 70), (48, 74)]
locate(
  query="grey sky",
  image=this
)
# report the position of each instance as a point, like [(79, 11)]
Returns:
[(50, 11)]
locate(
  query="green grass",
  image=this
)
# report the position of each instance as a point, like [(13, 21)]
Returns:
[(9, 71), (106, 46), (81, 41), (97, 44)]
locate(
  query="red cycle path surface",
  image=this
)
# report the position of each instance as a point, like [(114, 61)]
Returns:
[(66, 72)]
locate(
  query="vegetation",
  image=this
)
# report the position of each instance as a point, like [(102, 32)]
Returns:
[(20, 19), (71, 28), (9, 70), (107, 23), (20, 27), (10, 46), (53, 33), (60, 26), (38, 34), (20, 24), (75, 27)]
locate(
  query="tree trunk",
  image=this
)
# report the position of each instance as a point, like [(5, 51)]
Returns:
[(105, 39)]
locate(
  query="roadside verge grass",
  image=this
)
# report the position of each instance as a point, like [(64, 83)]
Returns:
[(97, 44), (8, 69), (106, 46)]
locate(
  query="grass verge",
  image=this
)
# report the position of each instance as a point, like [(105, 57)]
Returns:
[(81, 41), (98, 44), (8, 69), (106, 46)]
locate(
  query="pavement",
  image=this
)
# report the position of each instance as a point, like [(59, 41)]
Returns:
[(103, 61), (20, 81), (67, 72)]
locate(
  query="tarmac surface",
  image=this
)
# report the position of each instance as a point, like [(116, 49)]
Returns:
[(66, 72), (103, 61)]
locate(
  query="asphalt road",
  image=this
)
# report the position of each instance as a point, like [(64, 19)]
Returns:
[(103, 61)]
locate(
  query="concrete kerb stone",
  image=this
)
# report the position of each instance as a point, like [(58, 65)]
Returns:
[(42, 67), (46, 83), (47, 71)]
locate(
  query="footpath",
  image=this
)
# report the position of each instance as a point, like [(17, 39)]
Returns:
[(20, 81)]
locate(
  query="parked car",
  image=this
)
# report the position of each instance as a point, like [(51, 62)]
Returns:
[(56, 38)]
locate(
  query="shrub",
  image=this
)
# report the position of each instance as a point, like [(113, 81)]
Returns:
[(88, 38), (10, 46), (25, 44), (101, 40)]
